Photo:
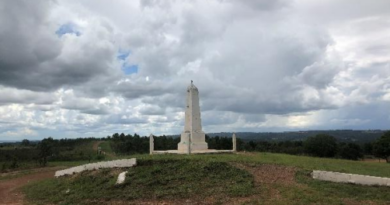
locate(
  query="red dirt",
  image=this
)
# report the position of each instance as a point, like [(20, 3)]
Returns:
[(270, 174), (374, 160), (96, 145), (9, 189)]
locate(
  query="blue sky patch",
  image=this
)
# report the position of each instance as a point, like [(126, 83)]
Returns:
[(129, 69), (67, 28), (122, 55)]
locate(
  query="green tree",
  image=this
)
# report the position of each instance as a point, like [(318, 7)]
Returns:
[(368, 148), (25, 142), (321, 145), (45, 150), (350, 151), (381, 147)]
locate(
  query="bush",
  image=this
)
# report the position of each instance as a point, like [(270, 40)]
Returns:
[(321, 145), (100, 157), (350, 151), (382, 147)]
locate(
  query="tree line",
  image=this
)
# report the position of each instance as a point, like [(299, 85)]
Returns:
[(320, 145), (135, 144), (15, 155)]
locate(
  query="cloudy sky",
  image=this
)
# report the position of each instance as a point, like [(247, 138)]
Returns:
[(96, 67)]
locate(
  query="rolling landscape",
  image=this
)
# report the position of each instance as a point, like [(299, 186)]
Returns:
[(194, 102), (247, 177)]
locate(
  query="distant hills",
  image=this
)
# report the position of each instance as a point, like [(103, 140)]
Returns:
[(9, 141), (358, 136)]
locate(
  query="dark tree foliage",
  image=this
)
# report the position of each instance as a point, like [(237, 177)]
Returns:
[(129, 144), (321, 145), (357, 136), (381, 147), (45, 150), (165, 143), (68, 149), (368, 148), (25, 142), (21, 154), (350, 151), (221, 143)]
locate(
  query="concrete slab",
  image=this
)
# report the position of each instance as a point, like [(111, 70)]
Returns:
[(121, 178), (350, 178), (99, 165)]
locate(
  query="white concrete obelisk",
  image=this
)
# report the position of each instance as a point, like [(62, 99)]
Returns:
[(193, 138)]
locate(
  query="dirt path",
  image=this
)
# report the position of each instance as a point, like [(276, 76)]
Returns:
[(9, 193), (96, 145), (374, 160)]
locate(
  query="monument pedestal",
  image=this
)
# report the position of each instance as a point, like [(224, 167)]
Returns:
[(197, 142)]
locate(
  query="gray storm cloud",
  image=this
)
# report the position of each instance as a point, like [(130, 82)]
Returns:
[(259, 65)]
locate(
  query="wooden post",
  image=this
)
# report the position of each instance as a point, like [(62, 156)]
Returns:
[(151, 144)]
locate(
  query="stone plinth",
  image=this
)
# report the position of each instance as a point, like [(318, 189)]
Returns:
[(199, 144), (206, 151)]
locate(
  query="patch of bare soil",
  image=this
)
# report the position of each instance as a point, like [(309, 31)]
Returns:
[(96, 145), (267, 177), (193, 201), (270, 174), (354, 202), (9, 193), (246, 153), (374, 160)]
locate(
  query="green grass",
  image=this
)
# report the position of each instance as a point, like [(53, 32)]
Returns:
[(340, 190), (106, 146), (150, 179), (26, 168), (16, 147), (303, 162), (173, 177), (13, 175), (81, 151)]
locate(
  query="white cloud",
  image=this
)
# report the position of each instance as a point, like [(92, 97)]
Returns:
[(259, 65)]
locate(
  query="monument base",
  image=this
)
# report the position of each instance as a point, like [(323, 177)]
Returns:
[(206, 151), (197, 142), (183, 147)]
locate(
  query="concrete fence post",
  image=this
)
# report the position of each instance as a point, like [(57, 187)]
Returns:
[(151, 144), (234, 142)]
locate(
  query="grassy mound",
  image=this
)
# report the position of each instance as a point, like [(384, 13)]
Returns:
[(169, 180)]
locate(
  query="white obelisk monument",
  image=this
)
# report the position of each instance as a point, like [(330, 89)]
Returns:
[(193, 138)]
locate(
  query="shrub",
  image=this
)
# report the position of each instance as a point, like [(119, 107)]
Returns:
[(321, 145)]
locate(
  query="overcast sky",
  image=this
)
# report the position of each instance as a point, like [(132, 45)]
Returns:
[(96, 67)]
